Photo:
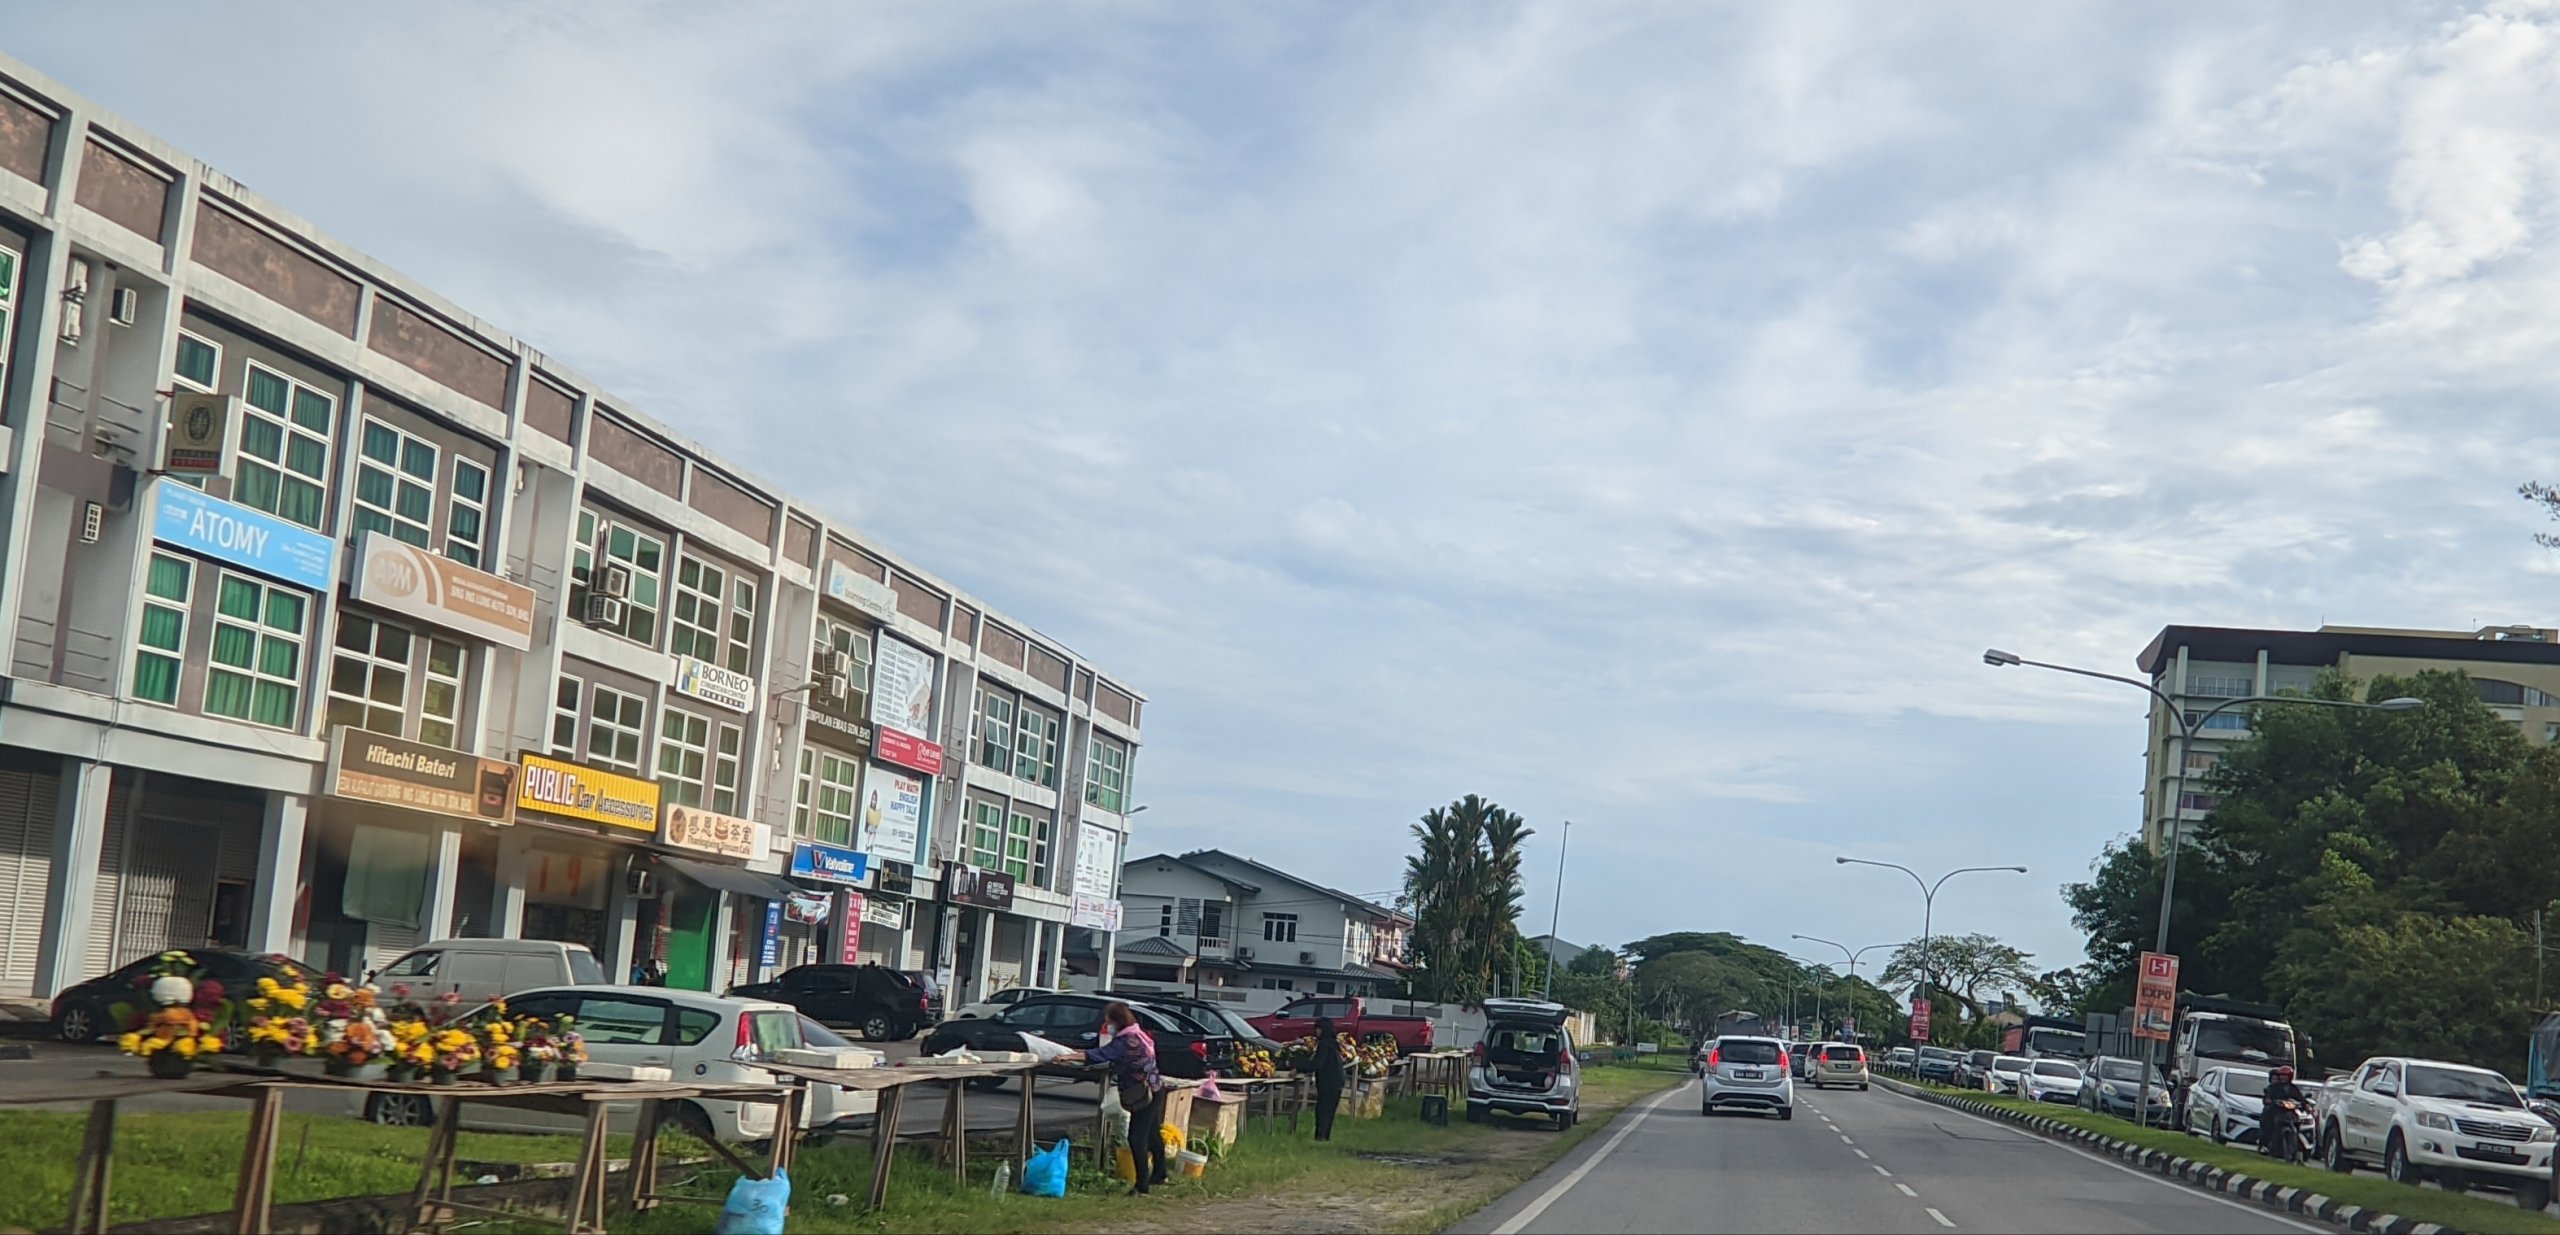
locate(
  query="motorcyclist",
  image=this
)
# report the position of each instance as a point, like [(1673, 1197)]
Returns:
[(2281, 1098)]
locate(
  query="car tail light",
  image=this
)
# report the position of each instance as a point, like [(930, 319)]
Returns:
[(1715, 1057), (746, 1039), (1200, 1048)]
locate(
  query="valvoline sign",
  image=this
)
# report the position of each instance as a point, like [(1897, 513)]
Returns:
[(828, 863)]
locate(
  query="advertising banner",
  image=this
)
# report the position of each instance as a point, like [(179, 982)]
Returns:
[(968, 885), (772, 934), (2155, 996), (1086, 911), (690, 827), (809, 907), (557, 787), (909, 751), (1919, 1020), (195, 520), (887, 912), (371, 767), (720, 687), (402, 577), (861, 591), (826, 863), (851, 954), (1097, 852), (892, 813), (199, 423), (902, 688)]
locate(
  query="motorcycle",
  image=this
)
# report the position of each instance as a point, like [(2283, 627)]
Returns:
[(2285, 1132)]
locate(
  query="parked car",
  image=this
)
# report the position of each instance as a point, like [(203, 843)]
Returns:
[(884, 1004), (1901, 1059), (1207, 1014), (2422, 1119), (1749, 1072), (1525, 1064), (1183, 1047), (833, 1107), (2050, 1080), (2002, 1076), (1351, 1015), (86, 1011), (1974, 1068), (2226, 1104), (1840, 1063), (695, 1036), (999, 1001), (2125, 1088), (479, 970), (1937, 1063)]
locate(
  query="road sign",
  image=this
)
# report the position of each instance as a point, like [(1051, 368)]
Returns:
[(1919, 1020), (2155, 996)]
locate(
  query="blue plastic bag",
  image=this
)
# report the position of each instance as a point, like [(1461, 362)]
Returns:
[(1045, 1173), (756, 1206)]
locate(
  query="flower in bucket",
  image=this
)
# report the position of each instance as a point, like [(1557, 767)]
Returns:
[(175, 1023), (453, 1049), (573, 1045)]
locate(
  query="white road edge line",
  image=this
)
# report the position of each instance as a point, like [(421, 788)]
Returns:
[(1906, 1191), (1520, 1221), (2262, 1211), (1943, 1220)]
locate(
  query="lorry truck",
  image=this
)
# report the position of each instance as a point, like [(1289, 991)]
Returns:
[(1351, 1018), (2046, 1037), (2213, 1030)]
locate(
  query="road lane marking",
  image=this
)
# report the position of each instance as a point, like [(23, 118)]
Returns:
[(1861, 1153), (1942, 1218), (1520, 1221), (1906, 1191), (1881, 1171), (1844, 1139)]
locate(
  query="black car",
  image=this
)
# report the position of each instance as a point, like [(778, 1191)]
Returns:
[(1212, 1018), (87, 1011), (883, 1004), (1183, 1047)]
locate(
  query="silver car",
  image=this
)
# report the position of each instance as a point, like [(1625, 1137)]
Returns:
[(2226, 1105), (1749, 1073)]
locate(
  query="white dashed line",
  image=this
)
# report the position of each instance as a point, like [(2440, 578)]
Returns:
[(1881, 1171), (1861, 1153), (1906, 1191), (1521, 1220), (1844, 1139), (1942, 1218)]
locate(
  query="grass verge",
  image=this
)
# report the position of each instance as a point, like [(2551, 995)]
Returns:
[(2481, 1214), (179, 1163)]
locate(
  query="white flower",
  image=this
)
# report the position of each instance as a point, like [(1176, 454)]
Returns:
[(170, 991)]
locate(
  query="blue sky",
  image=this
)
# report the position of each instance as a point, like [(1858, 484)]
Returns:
[(1642, 415)]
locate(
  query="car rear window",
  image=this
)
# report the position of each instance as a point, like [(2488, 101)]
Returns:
[(774, 1030), (1746, 1050), (1844, 1054), (2055, 1067), (583, 969), (2009, 1063)]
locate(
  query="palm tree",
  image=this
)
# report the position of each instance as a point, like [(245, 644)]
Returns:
[(1463, 886)]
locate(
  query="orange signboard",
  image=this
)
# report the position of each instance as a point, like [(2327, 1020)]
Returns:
[(2155, 997)]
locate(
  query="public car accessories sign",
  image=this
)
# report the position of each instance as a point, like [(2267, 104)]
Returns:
[(371, 767), (401, 576), (556, 787)]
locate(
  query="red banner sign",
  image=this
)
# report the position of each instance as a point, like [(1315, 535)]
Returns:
[(1919, 1020), (2155, 997), (906, 750)]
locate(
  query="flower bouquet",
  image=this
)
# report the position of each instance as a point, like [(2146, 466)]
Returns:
[(450, 1051), (185, 1022), (411, 1054), (501, 1049), (277, 1027), (355, 1032), (573, 1048)]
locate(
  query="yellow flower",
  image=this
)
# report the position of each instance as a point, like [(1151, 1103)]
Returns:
[(186, 1047), (131, 1043)]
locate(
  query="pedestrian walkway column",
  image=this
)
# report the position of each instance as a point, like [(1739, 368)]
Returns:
[(444, 872), (622, 921), (71, 890), (506, 893), (279, 885), (1057, 956), (986, 955)]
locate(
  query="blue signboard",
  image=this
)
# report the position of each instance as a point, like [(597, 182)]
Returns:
[(772, 934), (828, 863), (228, 531)]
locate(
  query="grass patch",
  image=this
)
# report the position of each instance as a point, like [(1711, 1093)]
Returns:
[(171, 1164), (1396, 1174), (2470, 1213)]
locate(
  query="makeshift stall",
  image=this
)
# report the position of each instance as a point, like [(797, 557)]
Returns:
[(891, 1085)]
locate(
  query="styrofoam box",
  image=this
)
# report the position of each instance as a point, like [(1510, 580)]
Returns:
[(623, 1072), (849, 1057), (1006, 1057)]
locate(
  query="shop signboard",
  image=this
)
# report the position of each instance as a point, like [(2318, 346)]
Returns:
[(863, 592), (827, 863), (1085, 911), (772, 954), (886, 912), (2155, 997), (855, 905), (199, 425), (691, 827), (714, 684), (909, 751), (1097, 856), (892, 812), (199, 522), (808, 907), (902, 688), (970, 885), (433, 588), (574, 790), (372, 767)]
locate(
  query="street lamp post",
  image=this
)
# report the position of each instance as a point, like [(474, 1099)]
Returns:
[(1853, 956), (1555, 918), (1928, 905)]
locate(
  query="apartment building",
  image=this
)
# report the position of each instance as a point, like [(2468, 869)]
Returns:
[(1228, 925), (339, 619), (2515, 668)]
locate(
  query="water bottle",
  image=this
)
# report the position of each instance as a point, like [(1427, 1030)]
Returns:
[(1004, 1179)]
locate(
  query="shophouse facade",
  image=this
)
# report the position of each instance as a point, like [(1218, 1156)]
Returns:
[(339, 620)]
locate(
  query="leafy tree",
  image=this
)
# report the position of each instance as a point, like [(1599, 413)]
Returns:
[(1594, 962), (2380, 980), (1463, 889), (2118, 910), (1963, 968), (1691, 989)]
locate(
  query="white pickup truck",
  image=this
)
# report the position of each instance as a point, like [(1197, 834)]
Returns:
[(2424, 1119)]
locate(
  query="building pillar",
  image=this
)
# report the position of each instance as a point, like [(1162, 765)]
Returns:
[(444, 874), (622, 921), (279, 883), (1110, 940), (71, 892), (506, 890), (1057, 956), (986, 954), (725, 906)]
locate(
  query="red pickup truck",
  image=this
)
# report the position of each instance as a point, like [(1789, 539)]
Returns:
[(1351, 1017)]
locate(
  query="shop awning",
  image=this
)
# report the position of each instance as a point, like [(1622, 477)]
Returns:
[(736, 879)]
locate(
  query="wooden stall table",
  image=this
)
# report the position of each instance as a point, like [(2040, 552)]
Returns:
[(94, 1169), (1289, 1089), (891, 1085)]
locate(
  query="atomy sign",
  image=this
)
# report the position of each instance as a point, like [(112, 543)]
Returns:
[(228, 531)]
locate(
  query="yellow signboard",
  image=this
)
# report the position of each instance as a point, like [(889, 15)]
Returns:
[(557, 787)]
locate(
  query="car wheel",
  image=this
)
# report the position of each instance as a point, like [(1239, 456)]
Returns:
[(2396, 1165), (986, 1084), (693, 1121), (1862, 1087), (879, 1027), (76, 1024), (399, 1111), (2214, 1132), (2333, 1152), (2534, 1194), (1786, 1112)]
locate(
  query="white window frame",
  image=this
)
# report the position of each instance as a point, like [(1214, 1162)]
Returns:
[(420, 531), (695, 635), (986, 835), (1106, 780), (712, 747), (183, 607), (178, 375), (1035, 743), (471, 550), (416, 713), (568, 710), (595, 546), (855, 641), (290, 427), (615, 727), (983, 729), (260, 633)]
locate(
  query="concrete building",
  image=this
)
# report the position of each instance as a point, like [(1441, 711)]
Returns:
[(338, 619), (2515, 668), (1239, 931)]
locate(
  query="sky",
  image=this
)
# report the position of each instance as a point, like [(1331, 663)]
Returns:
[(1642, 415)]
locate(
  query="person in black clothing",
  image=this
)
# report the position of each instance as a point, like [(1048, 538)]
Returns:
[(2273, 1127), (1328, 1066)]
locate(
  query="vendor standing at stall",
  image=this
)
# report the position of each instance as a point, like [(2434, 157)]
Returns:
[(1131, 1052), (1328, 1065)]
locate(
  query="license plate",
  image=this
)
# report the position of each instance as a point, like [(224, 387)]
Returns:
[(1746, 1074), (2491, 1149)]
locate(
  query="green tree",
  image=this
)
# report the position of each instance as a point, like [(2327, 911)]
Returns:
[(1463, 888), (2118, 910), (1594, 962), (1962, 968)]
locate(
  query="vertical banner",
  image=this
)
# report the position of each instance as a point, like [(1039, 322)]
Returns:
[(851, 954), (772, 937), (1919, 1020), (2155, 997)]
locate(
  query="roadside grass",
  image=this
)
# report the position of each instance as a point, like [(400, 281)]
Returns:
[(2468, 1213), (1395, 1174), (171, 1164)]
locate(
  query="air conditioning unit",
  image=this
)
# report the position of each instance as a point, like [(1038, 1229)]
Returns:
[(615, 582), (124, 306), (1306, 958), (604, 611), (643, 882), (838, 686), (1244, 954), (840, 665)]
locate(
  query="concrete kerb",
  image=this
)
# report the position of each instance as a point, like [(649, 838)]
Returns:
[(2297, 1201)]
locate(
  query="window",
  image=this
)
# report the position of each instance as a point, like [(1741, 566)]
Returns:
[(617, 1021), (440, 694), (8, 304), (564, 716), (698, 761), (2220, 687), (1280, 928), (1279, 984), (1035, 755), (986, 833), (167, 594), (2199, 801), (2202, 760), (255, 672), (466, 524), (2511, 694), (824, 804), (1324, 988), (1106, 774), (369, 675), (1164, 924), (1026, 846), (855, 643), (2225, 721), (993, 722), (644, 553), (396, 484), (706, 626), (199, 360), (614, 724), (1213, 924), (284, 448)]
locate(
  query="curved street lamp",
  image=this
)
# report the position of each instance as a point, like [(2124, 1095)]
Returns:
[(1928, 901)]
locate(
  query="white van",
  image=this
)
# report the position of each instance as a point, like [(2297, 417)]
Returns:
[(480, 970)]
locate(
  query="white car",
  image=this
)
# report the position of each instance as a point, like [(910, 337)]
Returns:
[(2050, 1080), (998, 1002), (2225, 1105), (1838, 1063), (1749, 1073), (2424, 1119), (2003, 1074), (694, 1036)]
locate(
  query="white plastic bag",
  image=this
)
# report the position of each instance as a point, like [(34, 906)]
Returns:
[(1041, 1048)]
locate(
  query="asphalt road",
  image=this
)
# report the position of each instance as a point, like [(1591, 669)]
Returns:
[(1848, 1161)]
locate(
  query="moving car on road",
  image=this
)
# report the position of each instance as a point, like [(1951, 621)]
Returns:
[(1841, 1063), (2225, 1105), (2050, 1080), (2423, 1119), (2002, 1077), (2126, 1089), (1750, 1073), (1937, 1063), (1525, 1063), (1900, 1058), (883, 1004)]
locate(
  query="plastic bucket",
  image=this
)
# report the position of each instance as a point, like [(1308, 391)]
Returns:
[(1191, 1163)]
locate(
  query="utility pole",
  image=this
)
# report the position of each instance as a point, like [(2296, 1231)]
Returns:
[(1555, 917)]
